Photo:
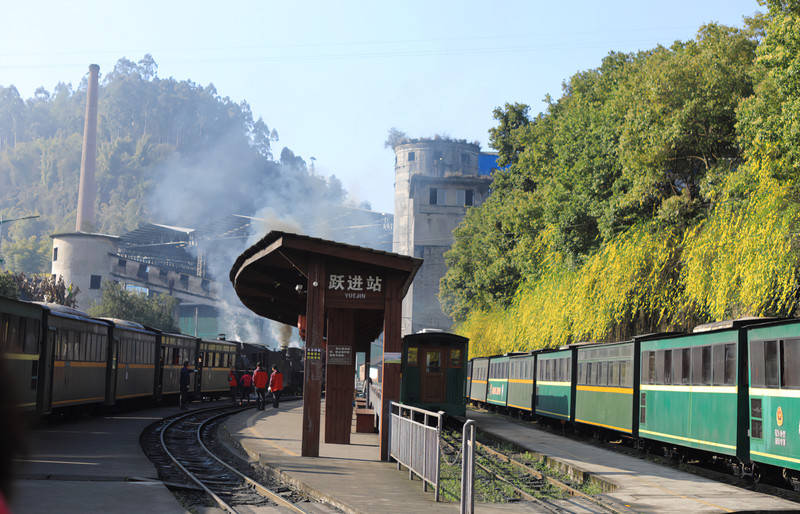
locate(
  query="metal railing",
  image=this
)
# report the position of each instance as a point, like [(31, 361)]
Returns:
[(414, 442), (468, 468)]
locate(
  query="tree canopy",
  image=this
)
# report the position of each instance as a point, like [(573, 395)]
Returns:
[(152, 311), (659, 191), (170, 151)]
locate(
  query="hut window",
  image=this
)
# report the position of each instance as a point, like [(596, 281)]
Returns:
[(432, 360), (455, 357), (411, 360)]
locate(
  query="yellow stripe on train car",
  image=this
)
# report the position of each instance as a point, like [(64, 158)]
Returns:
[(687, 439), (628, 430), (603, 389), (21, 356)]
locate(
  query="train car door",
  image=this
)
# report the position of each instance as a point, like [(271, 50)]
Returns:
[(433, 367), (45, 372), (111, 367)]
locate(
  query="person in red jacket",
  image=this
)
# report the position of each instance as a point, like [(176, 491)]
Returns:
[(260, 379), (246, 384), (233, 382), (275, 385)]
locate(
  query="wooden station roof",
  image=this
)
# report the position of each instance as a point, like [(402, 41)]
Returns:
[(266, 275)]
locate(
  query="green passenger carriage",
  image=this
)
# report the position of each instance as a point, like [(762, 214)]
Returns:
[(604, 390), (25, 355), (434, 367), (480, 377), (774, 394), (689, 389), (497, 387), (520, 381), (554, 392)]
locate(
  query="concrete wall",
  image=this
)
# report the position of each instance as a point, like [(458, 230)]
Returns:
[(425, 230), (79, 256)]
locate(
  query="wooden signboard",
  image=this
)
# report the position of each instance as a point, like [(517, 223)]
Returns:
[(352, 288)]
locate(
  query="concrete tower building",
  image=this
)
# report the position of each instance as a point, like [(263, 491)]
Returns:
[(436, 181)]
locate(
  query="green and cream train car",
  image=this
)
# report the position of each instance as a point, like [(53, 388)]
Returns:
[(773, 412), (605, 386), (554, 387)]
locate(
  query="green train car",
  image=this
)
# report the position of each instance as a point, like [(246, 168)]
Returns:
[(480, 377), (434, 367), (689, 389), (520, 381), (773, 412), (554, 391), (605, 386), (497, 387)]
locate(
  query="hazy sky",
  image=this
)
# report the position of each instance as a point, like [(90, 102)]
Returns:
[(333, 77)]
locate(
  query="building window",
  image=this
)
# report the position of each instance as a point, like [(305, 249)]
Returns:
[(162, 273), (94, 282), (55, 254), (411, 156), (434, 197), (185, 281), (468, 197), (121, 263), (205, 285), (465, 159), (143, 269)]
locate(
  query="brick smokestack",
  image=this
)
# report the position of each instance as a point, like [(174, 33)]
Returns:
[(87, 191)]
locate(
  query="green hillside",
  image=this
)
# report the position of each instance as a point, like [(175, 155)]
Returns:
[(659, 191), (169, 151)]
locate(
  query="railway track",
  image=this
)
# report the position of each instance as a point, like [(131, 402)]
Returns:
[(530, 484), (184, 450)]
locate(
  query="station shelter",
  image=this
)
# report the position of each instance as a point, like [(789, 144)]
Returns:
[(343, 296)]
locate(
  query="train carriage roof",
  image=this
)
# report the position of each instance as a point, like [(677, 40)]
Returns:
[(62, 311)]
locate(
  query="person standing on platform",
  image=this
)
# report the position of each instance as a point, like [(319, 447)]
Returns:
[(233, 382), (275, 385), (186, 373), (246, 384), (260, 379)]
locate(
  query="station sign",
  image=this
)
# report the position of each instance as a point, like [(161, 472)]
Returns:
[(354, 288), (339, 355)]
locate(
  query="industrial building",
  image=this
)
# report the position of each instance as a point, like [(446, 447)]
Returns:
[(436, 181)]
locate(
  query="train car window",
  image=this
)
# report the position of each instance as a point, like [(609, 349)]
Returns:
[(659, 367), (582, 373), (718, 359), (697, 365), (645, 378), (614, 376), (757, 364), (568, 368), (706, 365), (176, 356), (686, 366), (432, 359), (32, 336), (790, 364), (455, 358), (771, 363), (668, 366), (730, 364), (625, 375), (597, 373), (677, 366), (603, 374)]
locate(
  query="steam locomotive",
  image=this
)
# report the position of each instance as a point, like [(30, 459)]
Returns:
[(59, 358)]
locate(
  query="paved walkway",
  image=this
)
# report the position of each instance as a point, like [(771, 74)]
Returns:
[(349, 476), (92, 465), (642, 485)]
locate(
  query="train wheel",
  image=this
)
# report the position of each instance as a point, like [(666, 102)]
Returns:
[(757, 475)]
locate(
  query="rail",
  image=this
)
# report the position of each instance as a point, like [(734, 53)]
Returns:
[(414, 435)]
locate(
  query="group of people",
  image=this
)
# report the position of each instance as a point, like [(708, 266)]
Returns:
[(241, 387), (262, 381)]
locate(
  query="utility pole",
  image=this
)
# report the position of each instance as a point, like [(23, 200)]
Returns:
[(3, 222)]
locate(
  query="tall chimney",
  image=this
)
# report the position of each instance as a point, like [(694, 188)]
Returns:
[(87, 191)]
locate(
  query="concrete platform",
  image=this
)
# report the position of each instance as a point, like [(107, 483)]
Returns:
[(642, 486), (350, 477), (92, 465)]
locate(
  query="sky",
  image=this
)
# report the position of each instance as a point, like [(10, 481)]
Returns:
[(333, 77)]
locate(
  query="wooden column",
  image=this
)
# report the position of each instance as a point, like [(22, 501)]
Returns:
[(339, 384), (315, 325), (392, 343)]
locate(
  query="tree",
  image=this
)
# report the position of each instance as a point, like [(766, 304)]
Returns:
[(156, 311), (502, 137), (8, 286)]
